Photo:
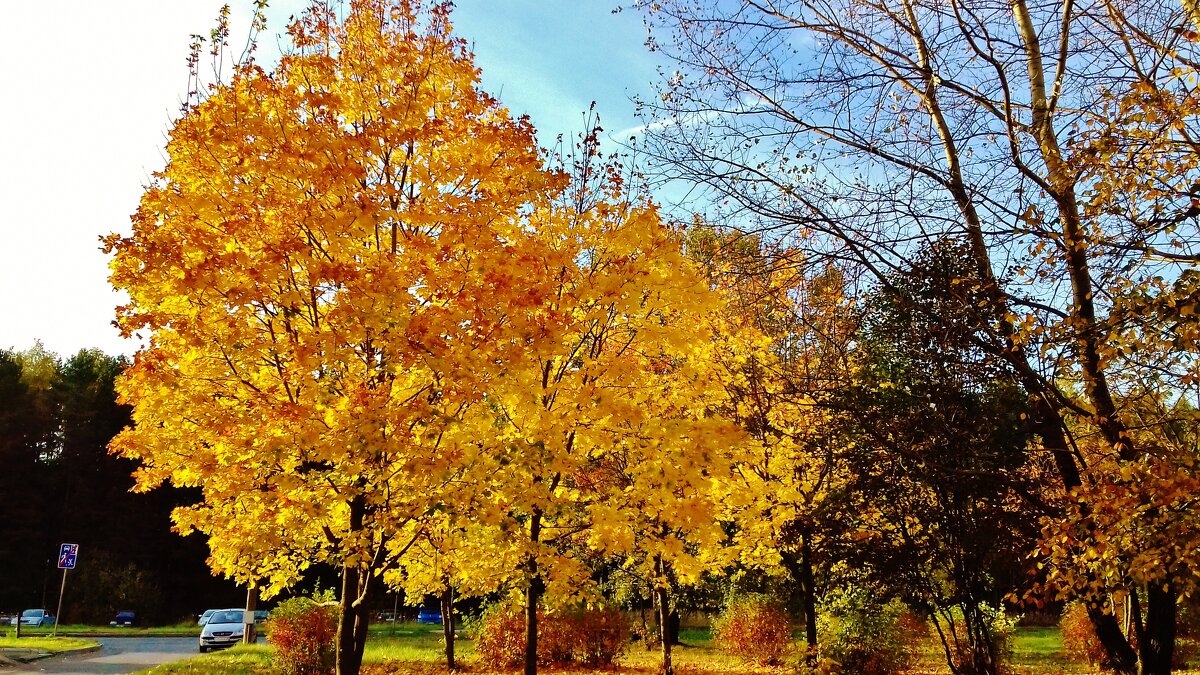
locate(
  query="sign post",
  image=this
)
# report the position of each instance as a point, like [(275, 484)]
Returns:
[(67, 553)]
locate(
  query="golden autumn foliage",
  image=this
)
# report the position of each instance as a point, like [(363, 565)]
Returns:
[(602, 442), (383, 336), (322, 266), (783, 349)]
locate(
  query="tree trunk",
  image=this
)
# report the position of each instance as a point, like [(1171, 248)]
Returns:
[(1157, 647), (808, 593), (1121, 657), (1062, 188), (362, 621), (448, 624), (1047, 415), (352, 622), (533, 595), (352, 610), (662, 599), (250, 636), (979, 640)]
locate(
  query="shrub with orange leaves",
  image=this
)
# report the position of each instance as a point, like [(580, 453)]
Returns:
[(1079, 636), (754, 628), (1082, 645), (303, 630), (593, 638)]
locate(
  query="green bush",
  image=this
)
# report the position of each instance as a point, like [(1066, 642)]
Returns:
[(975, 658), (1003, 627), (303, 631), (755, 628), (857, 634)]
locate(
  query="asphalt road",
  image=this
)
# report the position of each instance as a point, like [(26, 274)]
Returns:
[(116, 655)]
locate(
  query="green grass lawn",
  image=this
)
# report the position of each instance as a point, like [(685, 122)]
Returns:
[(1038, 649), (239, 660), (1035, 651), (78, 629), (417, 649), (45, 643)]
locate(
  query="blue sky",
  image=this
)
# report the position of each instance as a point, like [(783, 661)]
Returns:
[(90, 88)]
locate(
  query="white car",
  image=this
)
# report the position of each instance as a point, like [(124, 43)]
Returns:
[(35, 617), (224, 628), (203, 618)]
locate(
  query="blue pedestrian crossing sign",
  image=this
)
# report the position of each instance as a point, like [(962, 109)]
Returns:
[(66, 556)]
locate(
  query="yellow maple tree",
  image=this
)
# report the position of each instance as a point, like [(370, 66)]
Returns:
[(602, 442), (323, 268)]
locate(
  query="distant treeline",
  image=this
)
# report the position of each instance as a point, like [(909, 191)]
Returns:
[(59, 484)]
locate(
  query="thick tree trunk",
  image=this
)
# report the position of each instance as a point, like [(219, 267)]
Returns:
[(1156, 649), (1121, 657), (352, 614), (533, 595), (352, 623), (448, 624)]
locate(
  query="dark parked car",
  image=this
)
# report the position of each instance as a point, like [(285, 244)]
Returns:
[(124, 619), (429, 615)]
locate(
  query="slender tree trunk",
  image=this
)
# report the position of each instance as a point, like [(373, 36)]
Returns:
[(645, 630), (804, 594), (662, 599), (448, 624), (795, 604), (1047, 415), (533, 595), (983, 657), (251, 634), (1062, 184), (362, 621), (808, 592)]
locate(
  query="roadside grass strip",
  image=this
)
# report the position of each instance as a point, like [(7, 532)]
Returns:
[(417, 650), (53, 645), (238, 660)]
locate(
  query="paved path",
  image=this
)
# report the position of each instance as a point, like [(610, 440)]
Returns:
[(115, 656)]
